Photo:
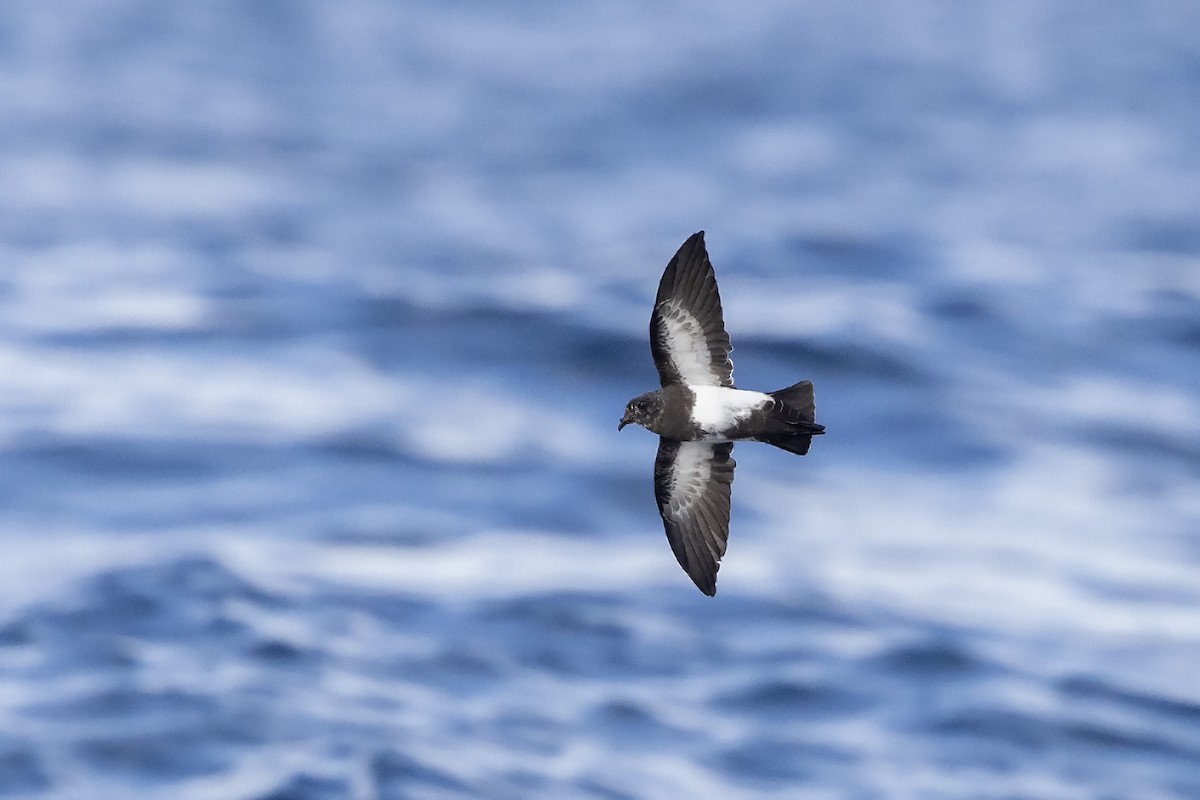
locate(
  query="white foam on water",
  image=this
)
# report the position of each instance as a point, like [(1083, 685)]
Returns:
[(87, 286), (488, 564), (43, 561), (154, 395), (1053, 545), (1131, 404), (303, 393), (880, 311)]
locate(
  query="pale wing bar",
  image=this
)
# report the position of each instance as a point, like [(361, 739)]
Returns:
[(687, 329), (692, 485)]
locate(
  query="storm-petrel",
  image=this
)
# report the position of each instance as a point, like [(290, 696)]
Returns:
[(698, 413)]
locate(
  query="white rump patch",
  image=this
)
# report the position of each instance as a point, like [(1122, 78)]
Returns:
[(687, 344), (718, 408)]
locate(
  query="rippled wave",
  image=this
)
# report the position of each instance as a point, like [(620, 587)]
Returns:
[(316, 326)]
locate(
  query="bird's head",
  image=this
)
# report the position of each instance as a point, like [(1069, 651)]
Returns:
[(642, 410)]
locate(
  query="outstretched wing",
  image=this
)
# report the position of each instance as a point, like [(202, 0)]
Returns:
[(687, 332), (691, 483)]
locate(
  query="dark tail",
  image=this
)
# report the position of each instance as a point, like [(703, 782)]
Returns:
[(791, 423)]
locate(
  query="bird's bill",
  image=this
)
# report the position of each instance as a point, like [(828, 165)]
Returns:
[(625, 420)]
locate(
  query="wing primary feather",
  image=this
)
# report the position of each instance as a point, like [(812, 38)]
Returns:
[(689, 290), (707, 527)]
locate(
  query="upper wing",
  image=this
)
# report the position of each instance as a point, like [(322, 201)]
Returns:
[(687, 333), (691, 484)]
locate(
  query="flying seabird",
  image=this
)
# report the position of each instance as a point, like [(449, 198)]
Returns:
[(698, 413)]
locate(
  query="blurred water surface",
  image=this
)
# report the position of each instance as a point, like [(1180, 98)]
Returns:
[(316, 321)]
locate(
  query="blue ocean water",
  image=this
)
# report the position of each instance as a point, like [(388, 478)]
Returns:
[(316, 322)]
